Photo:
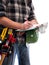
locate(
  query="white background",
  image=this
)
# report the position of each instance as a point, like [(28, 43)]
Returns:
[(39, 52)]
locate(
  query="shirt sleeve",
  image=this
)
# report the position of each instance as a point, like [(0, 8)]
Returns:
[(2, 8), (31, 13)]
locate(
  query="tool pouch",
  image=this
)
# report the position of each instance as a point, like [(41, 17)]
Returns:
[(32, 36)]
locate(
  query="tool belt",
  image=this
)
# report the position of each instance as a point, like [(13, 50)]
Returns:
[(6, 43)]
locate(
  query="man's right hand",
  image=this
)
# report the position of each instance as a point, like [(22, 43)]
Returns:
[(27, 24)]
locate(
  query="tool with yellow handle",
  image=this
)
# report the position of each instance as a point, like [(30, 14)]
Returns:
[(3, 34)]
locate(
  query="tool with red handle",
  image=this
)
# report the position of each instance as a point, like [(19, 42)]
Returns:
[(10, 39)]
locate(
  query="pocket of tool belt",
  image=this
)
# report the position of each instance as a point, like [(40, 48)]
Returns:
[(32, 36)]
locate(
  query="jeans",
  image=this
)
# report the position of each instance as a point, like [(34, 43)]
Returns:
[(22, 53)]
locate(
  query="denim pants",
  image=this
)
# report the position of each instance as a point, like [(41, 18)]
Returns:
[(22, 53)]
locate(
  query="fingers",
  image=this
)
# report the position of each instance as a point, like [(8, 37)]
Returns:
[(33, 22), (27, 24)]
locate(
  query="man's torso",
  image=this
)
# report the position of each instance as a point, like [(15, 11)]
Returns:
[(17, 10)]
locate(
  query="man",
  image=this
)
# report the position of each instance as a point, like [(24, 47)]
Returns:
[(17, 14)]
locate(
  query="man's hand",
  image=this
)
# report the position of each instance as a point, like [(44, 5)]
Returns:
[(27, 24), (33, 22)]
